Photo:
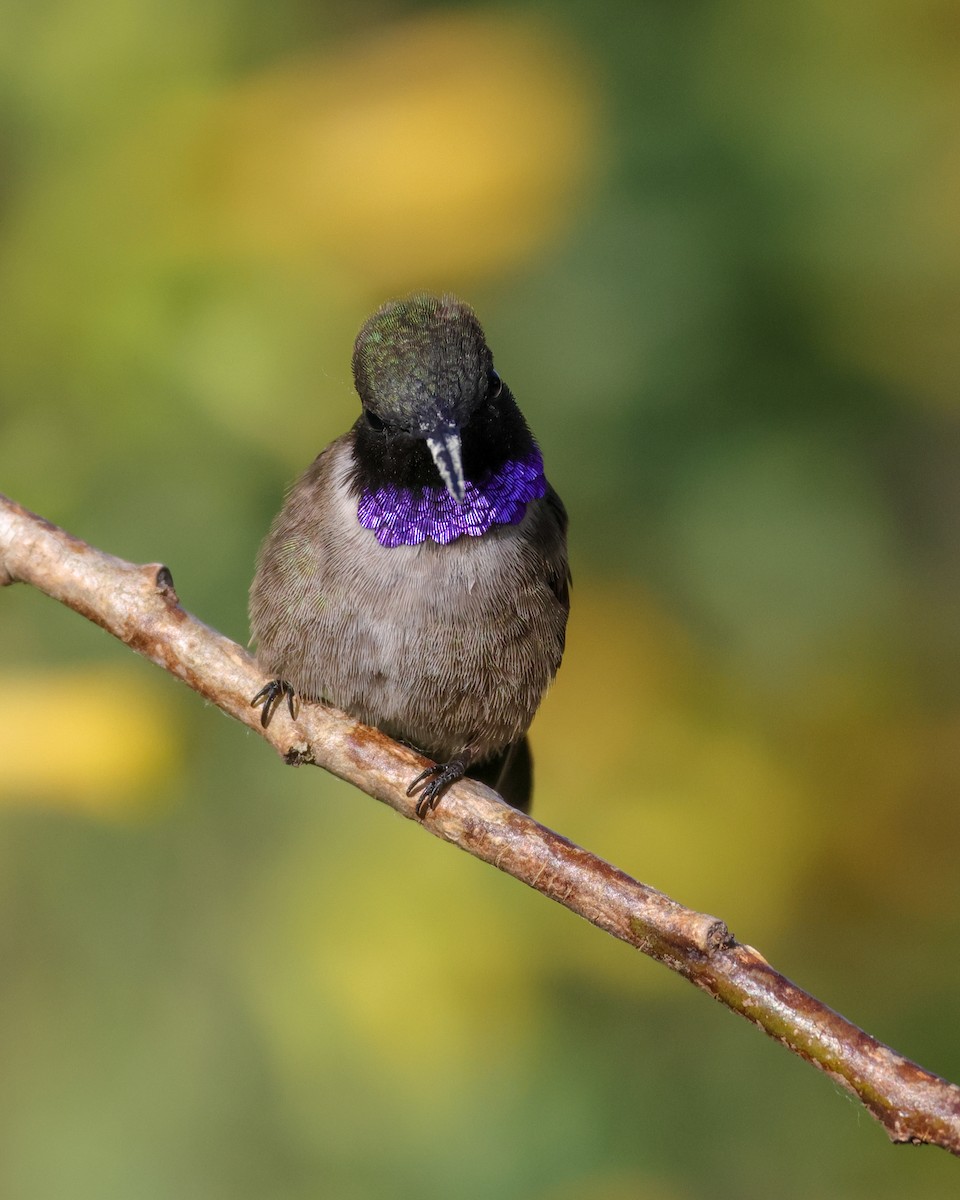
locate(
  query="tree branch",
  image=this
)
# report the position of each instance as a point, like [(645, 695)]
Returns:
[(138, 605)]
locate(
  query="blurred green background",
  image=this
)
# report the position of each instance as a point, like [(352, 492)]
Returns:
[(716, 249)]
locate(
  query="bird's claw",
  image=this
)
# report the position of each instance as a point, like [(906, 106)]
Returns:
[(271, 697), (434, 781)]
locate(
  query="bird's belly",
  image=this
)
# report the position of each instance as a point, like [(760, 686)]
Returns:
[(449, 648), (443, 647)]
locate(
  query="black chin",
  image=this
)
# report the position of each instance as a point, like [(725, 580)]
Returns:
[(495, 434)]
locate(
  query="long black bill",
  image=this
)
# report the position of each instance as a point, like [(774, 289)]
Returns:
[(445, 448)]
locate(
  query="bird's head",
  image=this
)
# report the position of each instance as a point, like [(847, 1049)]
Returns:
[(423, 371)]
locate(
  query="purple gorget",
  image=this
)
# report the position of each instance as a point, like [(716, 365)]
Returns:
[(404, 517)]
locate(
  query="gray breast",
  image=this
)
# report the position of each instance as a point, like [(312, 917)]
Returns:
[(446, 647)]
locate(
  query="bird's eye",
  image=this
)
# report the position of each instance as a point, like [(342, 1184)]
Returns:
[(374, 421), (496, 384)]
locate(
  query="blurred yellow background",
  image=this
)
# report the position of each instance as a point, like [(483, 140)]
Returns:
[(715, 248)]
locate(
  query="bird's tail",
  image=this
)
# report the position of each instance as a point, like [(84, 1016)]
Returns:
[(510, 774)]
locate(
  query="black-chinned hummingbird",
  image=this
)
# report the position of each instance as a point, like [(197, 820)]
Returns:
[(417, 576)]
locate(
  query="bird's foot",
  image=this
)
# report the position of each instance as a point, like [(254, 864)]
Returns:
[(271, 697), (434, 781)]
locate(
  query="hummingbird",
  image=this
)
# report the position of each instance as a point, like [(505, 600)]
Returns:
[(416, 576)]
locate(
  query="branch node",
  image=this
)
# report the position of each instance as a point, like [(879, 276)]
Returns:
[(163, 581), (718, 937)]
